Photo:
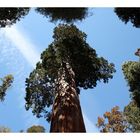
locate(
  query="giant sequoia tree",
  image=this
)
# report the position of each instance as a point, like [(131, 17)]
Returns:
[(64, 14), (129, 14), (131, 70), (67, 65), (9, 16)]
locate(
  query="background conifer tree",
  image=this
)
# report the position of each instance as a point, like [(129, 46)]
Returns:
[(132, 114), (9, 16), (63, 14), (131, 70), (5, 84), (129, 14)]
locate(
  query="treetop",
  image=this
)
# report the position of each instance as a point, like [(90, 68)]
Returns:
[(69, 46)]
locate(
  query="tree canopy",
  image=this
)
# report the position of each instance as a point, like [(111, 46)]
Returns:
[(64, 14), (131, 70), (113, 121), (129, 14), (132, 114), (36, 129), (5, 84), (69, 45), (9, 16)]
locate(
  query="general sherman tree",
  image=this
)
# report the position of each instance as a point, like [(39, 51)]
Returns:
[(129, 14), (64, 14), (66, 66), (9, 16)]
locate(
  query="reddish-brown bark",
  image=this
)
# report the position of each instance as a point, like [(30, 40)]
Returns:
[(67, 114)]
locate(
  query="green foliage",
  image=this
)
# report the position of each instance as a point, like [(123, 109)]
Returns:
[(36, 129), (113, 121), (132, 114), (64, 14), (9, 16), (70, 46), (5, 84), (131, 70), (129, 14), (39, 92)]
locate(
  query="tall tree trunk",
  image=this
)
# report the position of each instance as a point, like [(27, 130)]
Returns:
[(67, 114)]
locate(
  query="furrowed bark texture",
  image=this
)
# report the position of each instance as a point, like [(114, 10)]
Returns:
[(67, 114)]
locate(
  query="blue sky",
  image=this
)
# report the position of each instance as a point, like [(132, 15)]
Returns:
[(22, 44)]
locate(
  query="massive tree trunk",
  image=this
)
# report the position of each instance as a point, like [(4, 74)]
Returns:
[(66, 113)]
